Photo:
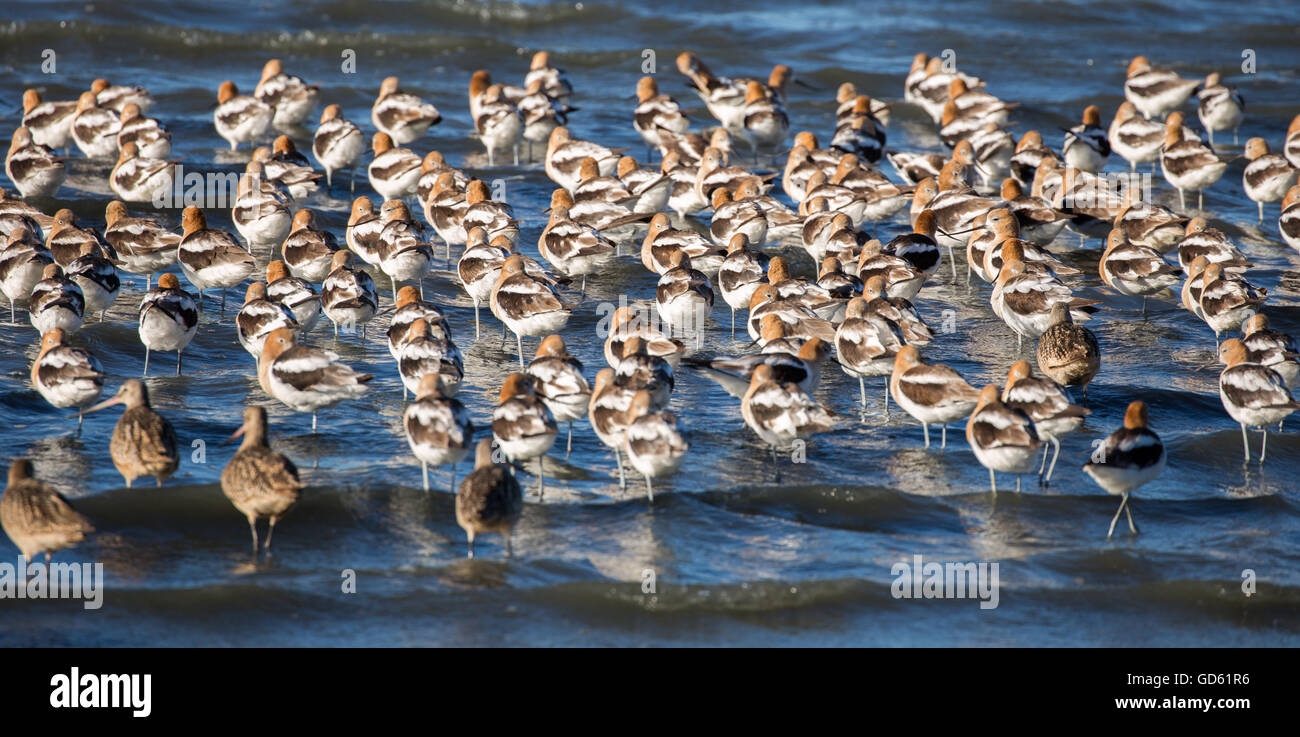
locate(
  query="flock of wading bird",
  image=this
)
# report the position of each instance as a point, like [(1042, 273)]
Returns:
[(998, 200)]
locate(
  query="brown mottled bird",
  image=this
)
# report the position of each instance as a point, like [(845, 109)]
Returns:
[(489, 499), (36, 517), (144, 443), (1068, 353), (259, 481)]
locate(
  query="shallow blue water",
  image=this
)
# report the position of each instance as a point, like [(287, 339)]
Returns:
[(737, 557)]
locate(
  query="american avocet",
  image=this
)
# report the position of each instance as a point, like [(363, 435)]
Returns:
[(684, 298), (764, 122), (15, 212), (914, 167), (656, 113), (865, 346), (422, 353), (1030, 153), (1023, 293), (1134, 137), (931, 393), (800, 319), (1227, 300), (210, 257), (305, 379), (1002, 437), (498, 123), (259, 481), (285, 165), (1036, 219), (554, 80), (136, 178), (1128, 458), (1066, 352), (572, 248), (846, 97), (991, 150), (348, 296), (560, 383), (1291, 145), (1086, 146), (1253, 394), (295, 293), (143, 442), (627, 322), (661, 240), (602, 202), (261, 214), (898, 312), (741, 273), (1134, 270), (143, 245), (444, 209), (495, 217), (22, 266), (1188, 164), (64, 239), (404, 254), (682, 199), (526, 304), (33, 168), (1200, 239), (1268, 176), (1047, 404), (918, 247), (337, 144), (308, 251), (489, 499), (56, 302), (401, 115), (479, 268), (859, 132), (653, 442), (1155, 91), (902, 280), (36, 517), (364, 226), (49, 121), (393, 171), (291, 97), (607, 412), (438, 428), (522, 425), (117, 96), (95, 129), (542, 113), (651, 187), (409, 308), (169, 318), (564, 155), (781, 413), (66, 376), (240, 118), (637, 369), (735, 374), (731, 217), (1271, 348), (1288, 223), (259, 317), (97, 279), (690, 147), (1151, 225), (1190, 294), (1220, 107)]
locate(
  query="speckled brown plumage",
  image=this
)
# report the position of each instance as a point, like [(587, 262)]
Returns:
[(144, 442), (1068, 353), (36, 517), (489, 499), (259, 481)]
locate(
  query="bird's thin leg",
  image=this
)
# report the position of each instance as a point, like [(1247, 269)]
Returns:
[(568, 448), (1128, 513), (1263, 449), (1115, 519), (993, 482), (470, 535), (1056, 453), (520, 341), (425, 467), (541, 477), (146, 362), (1245, 443), (649, 489), (862, 387), (476, 328), (252, 527), (944, 434), (926, 429), (313, 422), (270, 530), (618, 458)]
